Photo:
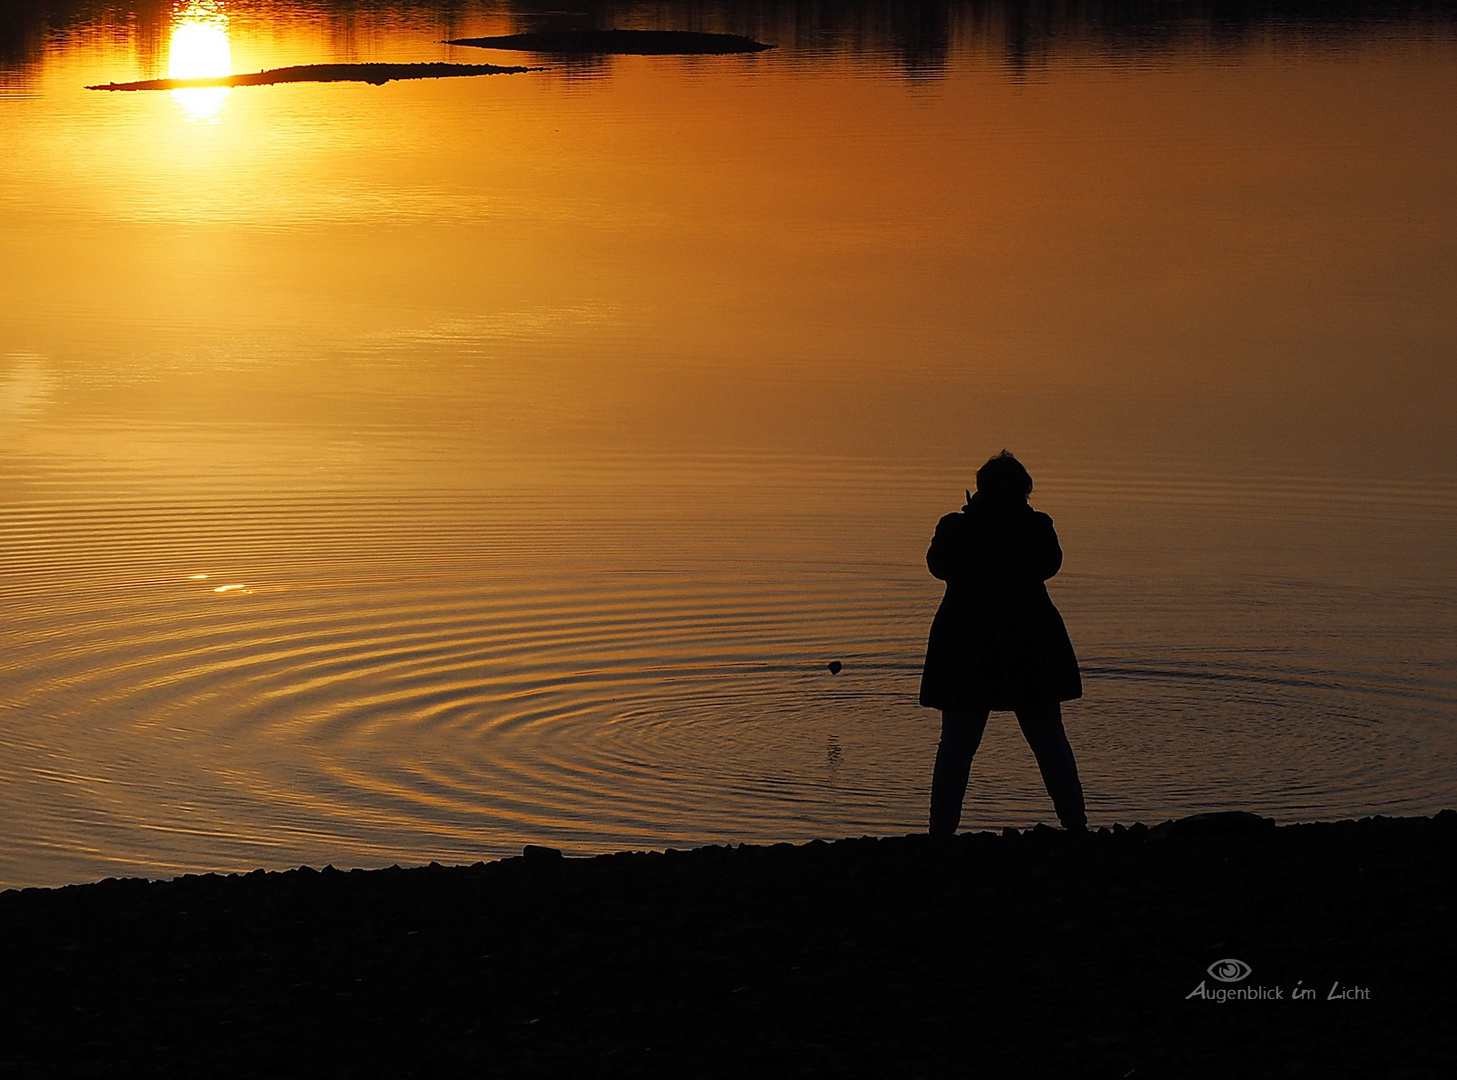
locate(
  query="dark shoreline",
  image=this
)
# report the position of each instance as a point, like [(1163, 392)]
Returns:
[(1010, 955)]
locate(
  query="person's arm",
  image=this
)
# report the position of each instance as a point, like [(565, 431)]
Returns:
[(1048, 554), (942, 556)]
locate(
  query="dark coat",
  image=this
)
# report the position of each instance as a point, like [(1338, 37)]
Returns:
[(997, 641)]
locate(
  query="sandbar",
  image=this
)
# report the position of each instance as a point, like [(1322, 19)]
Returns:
[(620, 42), (375, 74)]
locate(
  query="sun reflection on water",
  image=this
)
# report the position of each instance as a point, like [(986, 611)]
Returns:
[(199, 48)]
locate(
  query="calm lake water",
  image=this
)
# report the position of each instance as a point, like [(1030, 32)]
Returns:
[(410, 472)]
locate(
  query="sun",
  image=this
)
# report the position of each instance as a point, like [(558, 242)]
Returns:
[(198, 48)]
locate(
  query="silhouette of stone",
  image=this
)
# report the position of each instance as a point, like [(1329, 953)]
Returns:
[(619, 42), (835, 667), (534, 853), (1224, 822)]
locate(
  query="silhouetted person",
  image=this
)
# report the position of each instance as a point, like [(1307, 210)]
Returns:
[(998, 642)]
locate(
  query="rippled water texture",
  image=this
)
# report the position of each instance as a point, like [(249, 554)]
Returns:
[(408, 472)]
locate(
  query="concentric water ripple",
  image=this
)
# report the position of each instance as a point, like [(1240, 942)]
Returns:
[(363, 677)]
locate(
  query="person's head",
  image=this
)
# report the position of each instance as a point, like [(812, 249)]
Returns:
[(1004, 479)]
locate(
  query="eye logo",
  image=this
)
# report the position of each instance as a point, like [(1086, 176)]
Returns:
[(1229, 971)]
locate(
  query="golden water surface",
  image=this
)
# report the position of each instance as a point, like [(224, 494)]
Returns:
[(408, 472)]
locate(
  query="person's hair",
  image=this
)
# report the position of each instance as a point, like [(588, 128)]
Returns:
[(1003, 477)]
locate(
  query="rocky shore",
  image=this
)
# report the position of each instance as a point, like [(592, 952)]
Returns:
[(1210, 948)]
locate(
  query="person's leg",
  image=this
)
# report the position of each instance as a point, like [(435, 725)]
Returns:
[(1042, 726), (960, 736)]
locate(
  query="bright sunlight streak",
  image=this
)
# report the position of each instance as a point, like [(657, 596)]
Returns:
[(198, 48)]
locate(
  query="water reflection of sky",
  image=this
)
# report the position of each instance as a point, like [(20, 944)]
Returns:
[(393, 471), (917, 39)]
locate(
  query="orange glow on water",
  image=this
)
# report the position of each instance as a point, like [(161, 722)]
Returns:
[(491, 450), (198, 48)]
